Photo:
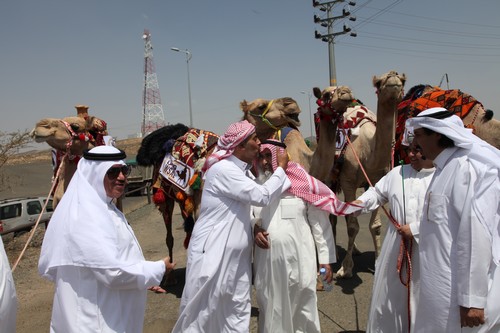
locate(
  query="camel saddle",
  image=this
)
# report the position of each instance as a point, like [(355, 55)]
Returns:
[(183, 164), (353, 118), (455, 100)]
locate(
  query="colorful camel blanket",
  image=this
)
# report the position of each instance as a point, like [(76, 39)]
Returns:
[(454, 100), (183, 164)]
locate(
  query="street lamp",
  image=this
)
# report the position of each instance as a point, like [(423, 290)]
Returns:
[(188, 57), (309, 95)]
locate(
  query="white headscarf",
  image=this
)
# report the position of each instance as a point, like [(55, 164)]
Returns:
[(81, 231), (484, 158)]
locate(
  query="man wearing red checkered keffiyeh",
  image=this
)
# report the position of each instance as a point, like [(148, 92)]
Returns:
[(288, 233), (216, 295), (309, 188), (234, 136)]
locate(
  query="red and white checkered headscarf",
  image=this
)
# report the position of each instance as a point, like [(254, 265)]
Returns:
[(235, 134), (309, 188)]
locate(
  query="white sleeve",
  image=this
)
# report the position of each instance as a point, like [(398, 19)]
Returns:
[(377, 195), (322, 233), (234, 184), (473, 245), (138, 276)]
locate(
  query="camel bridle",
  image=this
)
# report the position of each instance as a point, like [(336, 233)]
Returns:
[(263, 115), (334, 116)]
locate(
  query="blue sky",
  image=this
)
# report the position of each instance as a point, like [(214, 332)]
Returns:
[(59, 53)]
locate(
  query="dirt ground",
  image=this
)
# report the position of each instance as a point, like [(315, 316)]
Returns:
[(342, 310)]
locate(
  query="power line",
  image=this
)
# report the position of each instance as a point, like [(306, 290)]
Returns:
[(439, 31), (440, 19), (418, 53), (409, 40)]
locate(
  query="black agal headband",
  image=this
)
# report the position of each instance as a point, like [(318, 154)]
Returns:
[(274, 143), (104, 157), (439, 115)]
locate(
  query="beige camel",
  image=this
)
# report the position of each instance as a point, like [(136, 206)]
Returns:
[(69, 137), (372, 143), (279, 113), (270, 117)]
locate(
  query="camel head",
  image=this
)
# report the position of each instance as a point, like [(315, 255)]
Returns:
[(333, 101), (390, 86), (274, 114), (62, 134)]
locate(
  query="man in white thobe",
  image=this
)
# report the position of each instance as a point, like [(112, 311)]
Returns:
[(287, 234), (92, 255), (8, 297), (459, 231), (404, 188), (216, 296)]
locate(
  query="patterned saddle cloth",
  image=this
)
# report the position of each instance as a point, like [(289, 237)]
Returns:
[(354, 117), (183, 164), (455, 100)]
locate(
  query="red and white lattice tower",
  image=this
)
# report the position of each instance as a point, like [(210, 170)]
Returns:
[(152, 110)]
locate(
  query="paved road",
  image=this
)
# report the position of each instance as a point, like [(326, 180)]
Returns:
[(344, 309)]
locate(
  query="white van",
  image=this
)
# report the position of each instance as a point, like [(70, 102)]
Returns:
[(21, 214)]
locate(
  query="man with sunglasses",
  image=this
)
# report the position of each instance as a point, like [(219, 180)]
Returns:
[(91, 253)]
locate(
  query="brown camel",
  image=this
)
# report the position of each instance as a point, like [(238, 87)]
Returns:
[(371, 139), (270, 117), (69, 137)]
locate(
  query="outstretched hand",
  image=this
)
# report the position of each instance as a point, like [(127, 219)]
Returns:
[(358, 203)]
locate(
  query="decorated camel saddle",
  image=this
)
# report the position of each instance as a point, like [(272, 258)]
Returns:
[(454, 100), (355, 116), (180, 171)]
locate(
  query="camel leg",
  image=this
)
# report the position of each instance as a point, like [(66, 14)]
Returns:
[(347, 264), (333, 223), (167, 210), (375, 230)]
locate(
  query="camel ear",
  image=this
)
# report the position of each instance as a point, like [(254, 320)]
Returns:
[(402, 77), (376, 82), (488, 115), (244, 105), (317, 92)]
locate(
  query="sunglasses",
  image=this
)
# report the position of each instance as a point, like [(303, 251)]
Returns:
[(114, 172)]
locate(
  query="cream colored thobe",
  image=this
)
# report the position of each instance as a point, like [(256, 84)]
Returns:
[(285, 274)]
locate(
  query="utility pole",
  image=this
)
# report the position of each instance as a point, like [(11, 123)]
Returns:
[(329, 37)]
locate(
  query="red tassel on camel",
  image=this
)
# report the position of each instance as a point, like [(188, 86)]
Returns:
[(159, 197)]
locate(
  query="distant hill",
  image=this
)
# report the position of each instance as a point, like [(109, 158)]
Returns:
[(130, 146)]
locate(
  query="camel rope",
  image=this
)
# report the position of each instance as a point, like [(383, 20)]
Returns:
[(32, 232)]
